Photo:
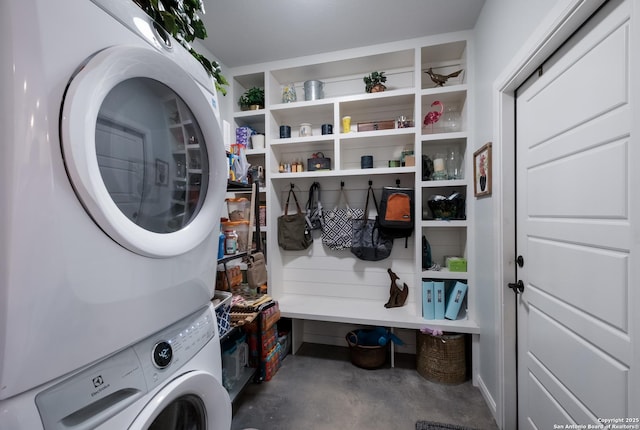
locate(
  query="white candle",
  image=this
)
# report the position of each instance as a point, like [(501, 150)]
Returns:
[(438, 164)]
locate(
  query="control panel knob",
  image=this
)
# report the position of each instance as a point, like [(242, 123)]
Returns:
[(162, 354)]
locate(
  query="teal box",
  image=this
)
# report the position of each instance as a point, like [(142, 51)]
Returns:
[(428, 305), (455, 299)]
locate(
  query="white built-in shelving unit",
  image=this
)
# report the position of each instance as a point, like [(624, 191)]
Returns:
[(324, 285)]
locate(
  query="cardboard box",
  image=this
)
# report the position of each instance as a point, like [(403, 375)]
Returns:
[(377, 125), (410, 160)]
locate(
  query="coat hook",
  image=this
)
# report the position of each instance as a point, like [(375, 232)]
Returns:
[(292, 185), (370, 182), (341, 184), (398, 182)]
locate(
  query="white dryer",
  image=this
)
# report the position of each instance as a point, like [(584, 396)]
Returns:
[(112, 180), (171, 380)]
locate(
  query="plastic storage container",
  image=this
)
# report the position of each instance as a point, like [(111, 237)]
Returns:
[(238, 209)]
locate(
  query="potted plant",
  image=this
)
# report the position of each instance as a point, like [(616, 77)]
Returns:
[(180, 19), (252, 99), (374, 82)]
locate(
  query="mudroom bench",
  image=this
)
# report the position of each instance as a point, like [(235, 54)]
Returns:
[(301, 308)]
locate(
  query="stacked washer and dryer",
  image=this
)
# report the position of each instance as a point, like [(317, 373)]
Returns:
[(112, 178)]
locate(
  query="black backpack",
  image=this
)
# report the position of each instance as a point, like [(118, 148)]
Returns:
[(396, 215)]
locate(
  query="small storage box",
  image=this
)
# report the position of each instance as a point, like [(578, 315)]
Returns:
[(456, 264), (318, 163), (377, 125)]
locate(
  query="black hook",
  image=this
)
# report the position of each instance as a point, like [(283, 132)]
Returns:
[(370, 182), (341, 184), (292, 185), (398, 182)]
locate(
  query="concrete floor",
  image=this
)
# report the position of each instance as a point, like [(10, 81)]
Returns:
[(319, 389)]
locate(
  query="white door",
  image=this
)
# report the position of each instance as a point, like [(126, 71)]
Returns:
[(575, 231)]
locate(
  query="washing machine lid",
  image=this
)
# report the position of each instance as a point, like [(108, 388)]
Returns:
[(144, 150), (196, 396)]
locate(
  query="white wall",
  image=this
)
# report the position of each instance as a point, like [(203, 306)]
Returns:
[(500, 34)]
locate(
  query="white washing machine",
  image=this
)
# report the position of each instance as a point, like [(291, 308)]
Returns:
[(112, 180), (170, 380)]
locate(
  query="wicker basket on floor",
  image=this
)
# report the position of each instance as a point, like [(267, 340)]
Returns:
[(367, 357), (443, 358)]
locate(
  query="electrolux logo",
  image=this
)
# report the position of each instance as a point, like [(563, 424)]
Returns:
[(99, 383)]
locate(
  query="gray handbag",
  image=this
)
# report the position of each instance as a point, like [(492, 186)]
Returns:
[(368, 243), (293, 231)]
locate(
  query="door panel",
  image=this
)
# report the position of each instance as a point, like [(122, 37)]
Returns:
[(567, 282), (576, 358), (574, 361), (588, 184)]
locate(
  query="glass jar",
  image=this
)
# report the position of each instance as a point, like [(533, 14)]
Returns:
[(451, 119), (439, 168), (453, 165), (289, 93), (230, 242)]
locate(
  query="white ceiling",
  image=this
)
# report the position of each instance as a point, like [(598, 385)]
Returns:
[(242, 32)]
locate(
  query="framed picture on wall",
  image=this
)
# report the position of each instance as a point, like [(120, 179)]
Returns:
[(482, 171), (162, 173)]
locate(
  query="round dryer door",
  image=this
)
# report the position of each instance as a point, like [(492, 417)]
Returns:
[(144, 150), (195, 400)]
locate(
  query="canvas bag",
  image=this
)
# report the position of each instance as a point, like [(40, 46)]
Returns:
[(367, 242), (338, 229), (293, 232), (315, 220), (396, 212), (256, 270)]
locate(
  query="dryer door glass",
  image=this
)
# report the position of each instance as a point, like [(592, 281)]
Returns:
[(144, 151), (150, 155)]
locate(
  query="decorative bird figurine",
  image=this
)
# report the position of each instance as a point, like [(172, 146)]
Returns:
[(440, 80), (397, 295), (434, 116)]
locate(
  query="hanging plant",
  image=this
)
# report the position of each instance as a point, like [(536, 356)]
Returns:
[(180, 19)]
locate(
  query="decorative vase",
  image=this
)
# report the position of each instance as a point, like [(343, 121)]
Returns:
[(289, 93)]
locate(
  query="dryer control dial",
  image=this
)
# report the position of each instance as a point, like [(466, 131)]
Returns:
[(162, 354)]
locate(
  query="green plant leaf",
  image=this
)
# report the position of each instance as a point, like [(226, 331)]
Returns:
[(180, 19)]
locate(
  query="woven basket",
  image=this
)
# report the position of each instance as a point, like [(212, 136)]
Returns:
[(442, 358), (367, 357), (223, 309)]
